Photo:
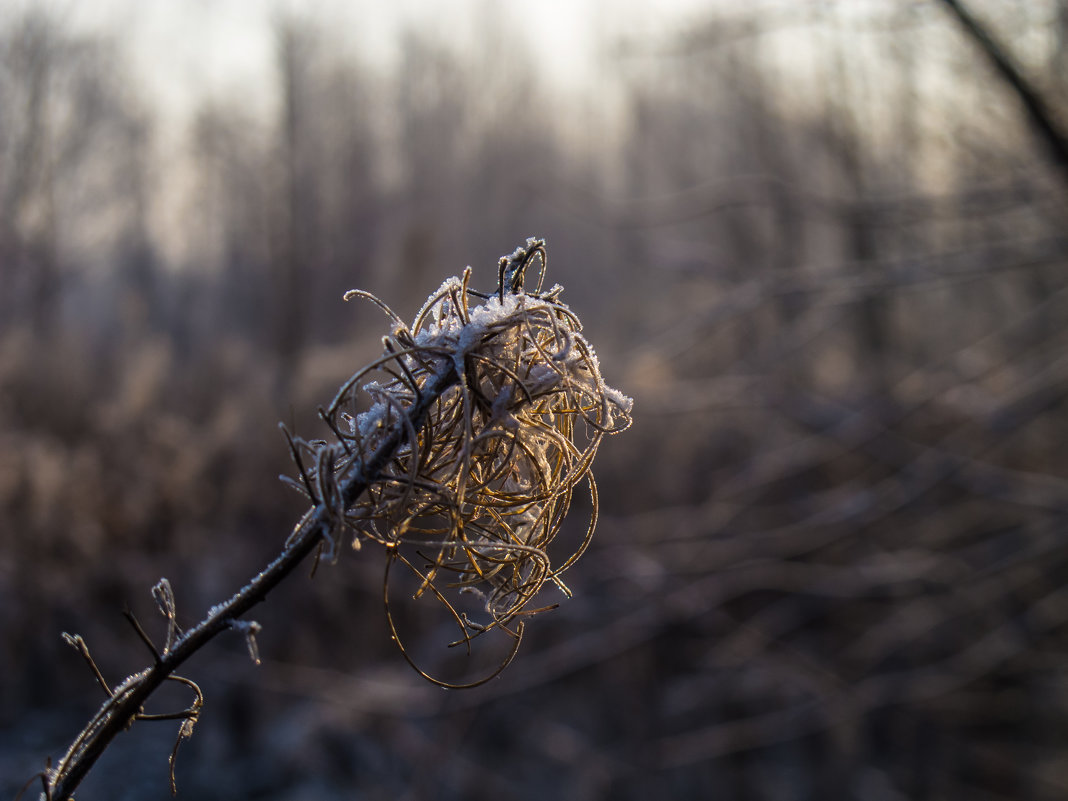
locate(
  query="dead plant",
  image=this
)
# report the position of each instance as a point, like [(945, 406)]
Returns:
[(457, 452)]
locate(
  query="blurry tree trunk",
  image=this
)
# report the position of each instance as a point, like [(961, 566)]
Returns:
[(908, 140), (293, 257), (28, 232), (788, 222), (759, 126), (137, 257), (847, 141)]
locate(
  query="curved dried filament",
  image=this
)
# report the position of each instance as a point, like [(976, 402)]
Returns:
[(484, 481)]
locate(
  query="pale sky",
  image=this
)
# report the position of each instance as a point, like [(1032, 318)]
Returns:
[(181, 49)]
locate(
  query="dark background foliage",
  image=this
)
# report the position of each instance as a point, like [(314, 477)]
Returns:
[(821, 244)]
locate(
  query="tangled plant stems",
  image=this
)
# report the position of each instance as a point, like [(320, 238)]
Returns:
[(456, 452)]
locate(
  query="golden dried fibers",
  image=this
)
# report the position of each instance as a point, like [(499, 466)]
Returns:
[(496, 411)]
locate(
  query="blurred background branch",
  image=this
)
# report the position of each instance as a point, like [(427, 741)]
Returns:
[(1042, 117)]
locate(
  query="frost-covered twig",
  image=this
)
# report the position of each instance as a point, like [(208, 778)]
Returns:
[(128, 698), (469, 444)]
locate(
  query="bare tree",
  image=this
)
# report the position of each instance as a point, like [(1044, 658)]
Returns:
[(28, 249), (73, 160)]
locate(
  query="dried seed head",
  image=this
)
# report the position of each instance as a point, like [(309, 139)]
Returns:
[(481, 482)]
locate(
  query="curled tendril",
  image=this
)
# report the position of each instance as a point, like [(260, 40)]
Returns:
[(480, 487)]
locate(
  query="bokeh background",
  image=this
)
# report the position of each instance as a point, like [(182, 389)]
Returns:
[(823, 246)]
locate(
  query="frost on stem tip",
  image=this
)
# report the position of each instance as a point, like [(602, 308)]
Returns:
[(250, 628)]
